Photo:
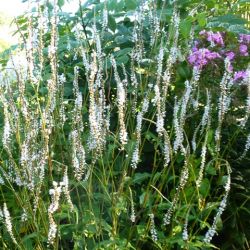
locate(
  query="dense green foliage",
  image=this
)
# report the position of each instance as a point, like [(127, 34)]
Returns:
[(111, 139)]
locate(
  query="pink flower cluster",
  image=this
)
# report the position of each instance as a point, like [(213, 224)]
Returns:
[(230, 55), (201, 57), (240, 76), (244, 38), (244, 44), (213, 38)]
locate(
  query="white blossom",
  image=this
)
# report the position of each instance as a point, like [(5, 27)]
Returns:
[(132, 216), (152, 228), (8, 224), (212, 230)]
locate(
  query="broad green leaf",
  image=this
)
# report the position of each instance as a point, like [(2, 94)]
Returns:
[(185, 27), (60, 3), (210, 169), (201, 18), (140, 177), (122, 59), (130, 4), (205, 187), (111, 23), (122, 52), (121, 39)]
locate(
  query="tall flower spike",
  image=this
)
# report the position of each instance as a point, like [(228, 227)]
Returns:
[(185, 101), (152, 228), (97, 43), (8, 224), (121, 101), (206, 115), (185, 229), (85, 61), (135, 156), (193, 142), (105, 18), (65, 188), (175, 21), (247, 147), (7, 131), (224, 101), (167, 149), (212, 230), (159, 101), (206, 120), (29, 45), (78, 155), (247, 82), (95, 135), (62, 115), (203, 161), (77, 116), (178, 132), (182, 183), (132, 216), (159, 67), (154, 24), (24, 216), (160, 114), (53, 207), (52, 52), (137, 36), (41, 31), (134, 85), (180, 110)]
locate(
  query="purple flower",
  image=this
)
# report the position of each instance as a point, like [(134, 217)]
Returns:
[(196, 43), (213, 38), (240, 75), (244, 38), (194, 49), (192, 59), (201, 57), (230, 55), (212, 55), (217, 38), (203, 32), (243, 50)]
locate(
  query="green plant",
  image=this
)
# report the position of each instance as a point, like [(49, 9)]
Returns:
[(110, 138)]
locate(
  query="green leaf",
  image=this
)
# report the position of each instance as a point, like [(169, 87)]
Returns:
[(111, 23), (219, 224), (205, 187), (130, 4), (121, 39), (189, 192), (185, 27), (141, 229), (210, 136), (231, 19), (210, 169), (29, 239), (140, 177), (201, 18), (122, 52), (146, 199), (115, 5), (210, 3), (183, 71), (60, 3), (122, 60), (177, 229)]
